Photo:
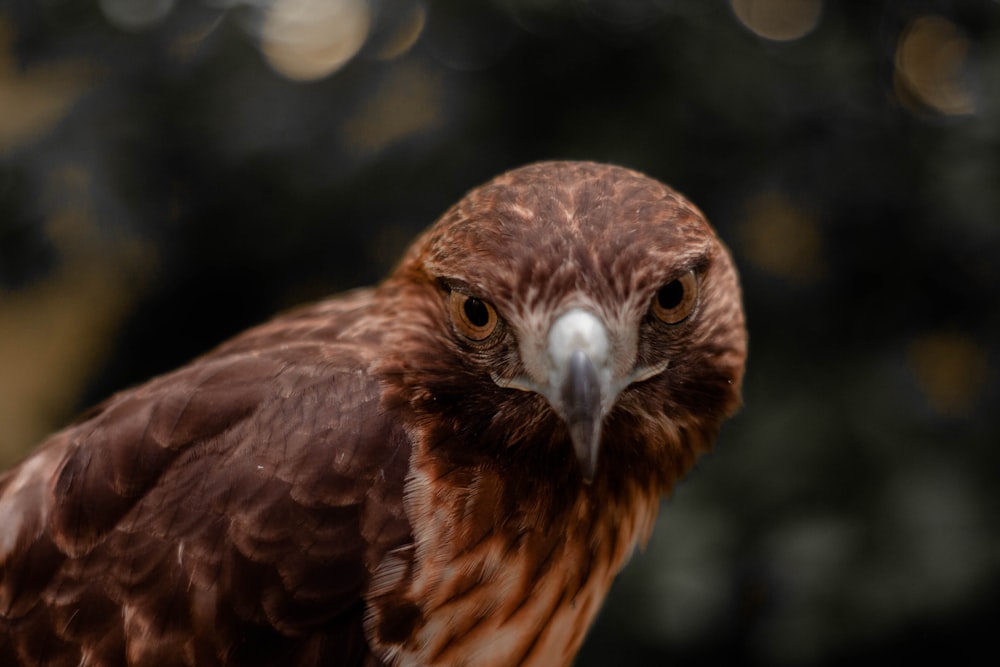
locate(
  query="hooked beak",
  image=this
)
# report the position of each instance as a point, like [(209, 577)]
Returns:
[(580, 387), (580, 396), (577, 378)]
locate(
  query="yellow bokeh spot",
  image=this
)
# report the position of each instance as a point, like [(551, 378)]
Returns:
[(950, 369), (403, 34), (930, 62), (136, 15), (406, 102), (34, 99), (305, 40), (781, 238), (778, 20)]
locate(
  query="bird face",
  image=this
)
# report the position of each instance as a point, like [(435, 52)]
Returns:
[(605, 292)]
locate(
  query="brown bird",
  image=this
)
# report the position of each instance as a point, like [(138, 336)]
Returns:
[(446, 469)]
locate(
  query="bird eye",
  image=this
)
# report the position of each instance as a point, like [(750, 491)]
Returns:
[(676, 299), (474, 318)]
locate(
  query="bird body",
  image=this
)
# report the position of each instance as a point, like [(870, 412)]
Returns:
[(449, 468)]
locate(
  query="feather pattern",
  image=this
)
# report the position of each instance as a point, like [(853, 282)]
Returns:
[(357, 483)]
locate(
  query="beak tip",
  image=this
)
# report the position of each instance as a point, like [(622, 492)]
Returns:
[(582, 393), (579, 382)]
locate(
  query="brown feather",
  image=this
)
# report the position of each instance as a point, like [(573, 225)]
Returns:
[(351, 483)]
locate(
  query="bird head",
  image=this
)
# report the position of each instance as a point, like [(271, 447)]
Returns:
[(591, 293)]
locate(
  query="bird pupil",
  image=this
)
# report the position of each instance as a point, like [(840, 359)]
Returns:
[(670, 295), (476, 311)]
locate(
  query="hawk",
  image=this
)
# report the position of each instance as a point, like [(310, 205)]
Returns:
[(449, 468)]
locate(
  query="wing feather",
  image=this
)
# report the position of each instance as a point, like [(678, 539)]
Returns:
[(231, 510)]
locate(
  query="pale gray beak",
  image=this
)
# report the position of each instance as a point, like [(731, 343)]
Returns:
[(580, 383), (580, 396)]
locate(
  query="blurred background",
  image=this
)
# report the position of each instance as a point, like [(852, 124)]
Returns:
[(173, 172)]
